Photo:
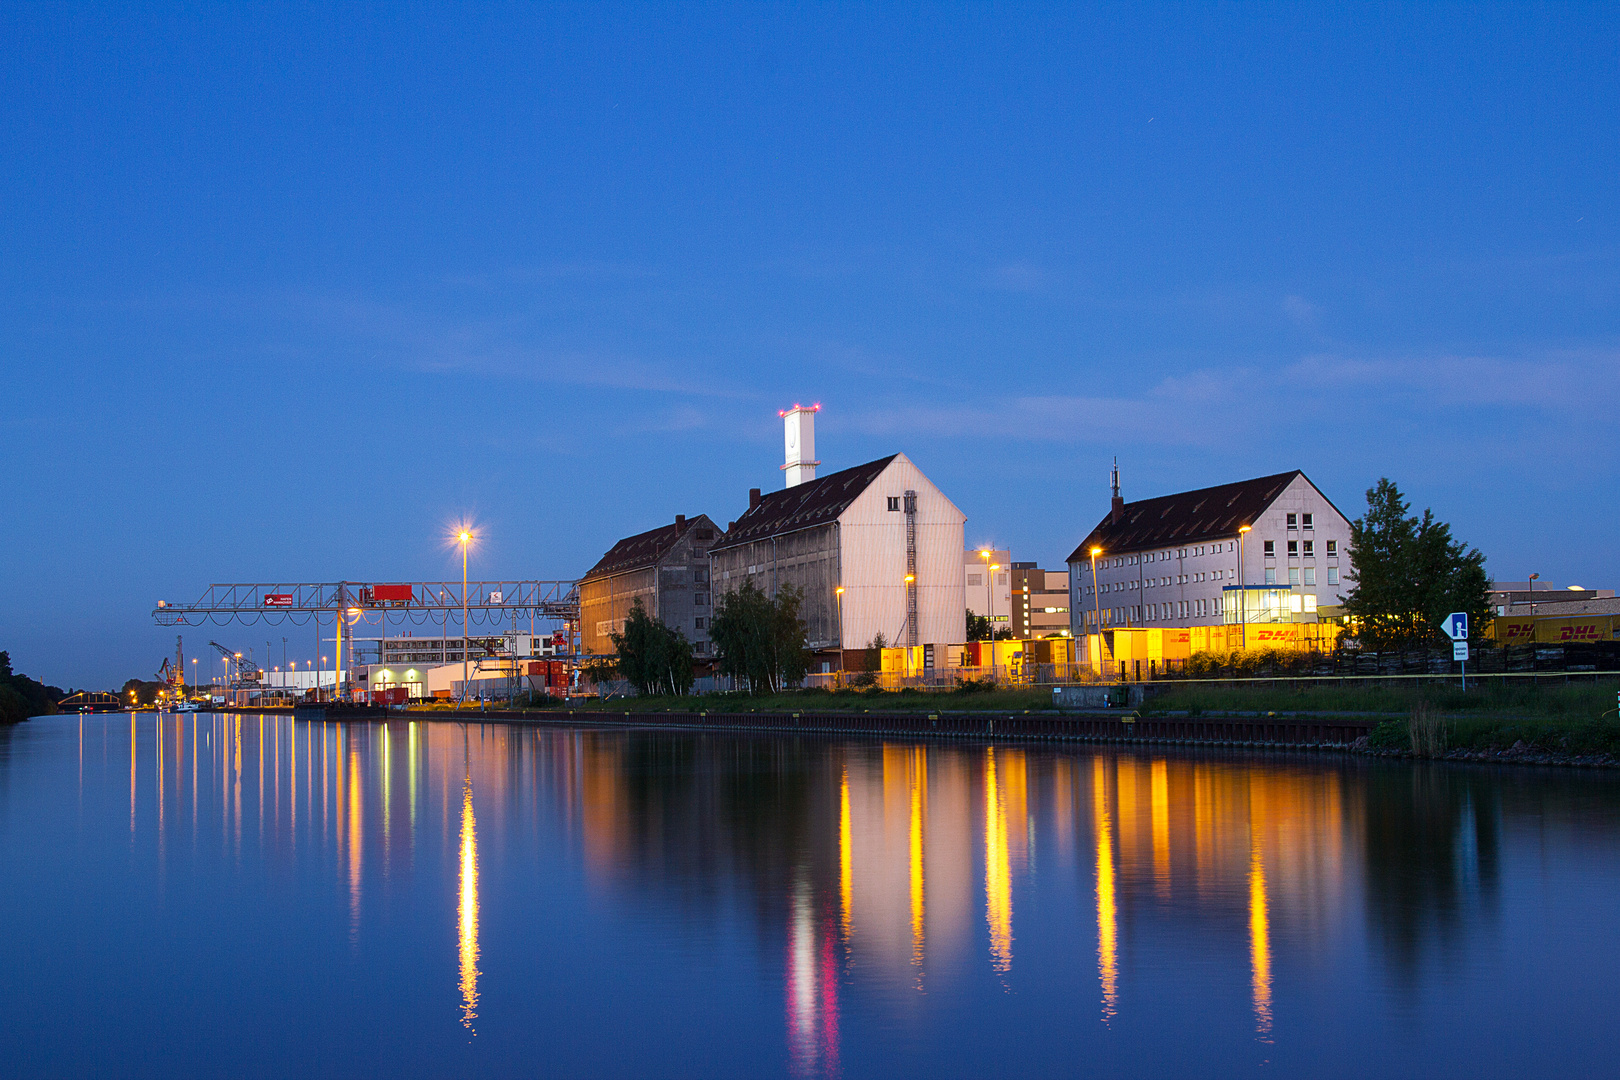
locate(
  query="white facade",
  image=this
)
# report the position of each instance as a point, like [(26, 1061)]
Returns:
[(1299, 543), (872, 556), (989, 592), (799, 444), (851, 557)]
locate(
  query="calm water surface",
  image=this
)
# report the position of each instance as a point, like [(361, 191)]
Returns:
[(239, 895)]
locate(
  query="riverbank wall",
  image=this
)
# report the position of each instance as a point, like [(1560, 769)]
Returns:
[(1295, 732)]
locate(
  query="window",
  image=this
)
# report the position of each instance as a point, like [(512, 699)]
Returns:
[(1305, 520), (1293, 521), (1333, 575), (1218, 605), (975, 579), (1310, 575), (1271, 548), (700, 576), (1310, 601), (1271, 575), (1333, 548), (700, 599), (1293, 575), (1293, 549), (894, 502), (1310, 549)]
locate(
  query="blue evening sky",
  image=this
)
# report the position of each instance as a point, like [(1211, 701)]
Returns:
[(284, 291)]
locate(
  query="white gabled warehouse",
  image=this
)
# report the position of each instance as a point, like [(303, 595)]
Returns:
[(877, 549)]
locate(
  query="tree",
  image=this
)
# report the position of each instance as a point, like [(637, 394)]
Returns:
[(1409, 574), (978, 626), (654, 658), (1003, 634), (761, 640), (22, 697)]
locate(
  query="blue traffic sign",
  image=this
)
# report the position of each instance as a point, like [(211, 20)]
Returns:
[(1456, 626)]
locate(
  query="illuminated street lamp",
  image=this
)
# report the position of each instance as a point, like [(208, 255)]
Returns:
[(838, 598), (989, 602), (463, 537), (1243, 594)]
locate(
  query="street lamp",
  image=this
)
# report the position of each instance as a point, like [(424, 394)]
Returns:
[(1243, 594), (989, 601), (838, 598), (1532, 584), (464, 536)]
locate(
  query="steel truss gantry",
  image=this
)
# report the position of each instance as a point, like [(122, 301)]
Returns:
[(405, 602)]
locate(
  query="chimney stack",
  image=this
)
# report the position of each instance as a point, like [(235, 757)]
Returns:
[(799, 439), (1117, 512), (680, 521), (753, 498)]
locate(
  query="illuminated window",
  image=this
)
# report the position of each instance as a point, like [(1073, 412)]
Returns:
[(1333, 548), (1293, 549), (1310, 549)]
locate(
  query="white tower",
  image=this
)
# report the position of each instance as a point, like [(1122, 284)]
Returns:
[(799, 436)]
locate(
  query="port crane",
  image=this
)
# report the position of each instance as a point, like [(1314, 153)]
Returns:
[(173, 676), (246, 670)]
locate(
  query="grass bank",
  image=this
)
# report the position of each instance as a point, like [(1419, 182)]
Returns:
[(1566, 702)]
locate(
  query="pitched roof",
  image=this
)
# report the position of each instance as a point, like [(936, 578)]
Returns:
[(644, 549), (1185, 517), (817, 502)]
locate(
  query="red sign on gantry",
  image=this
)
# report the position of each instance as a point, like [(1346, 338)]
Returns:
[(278, 599)]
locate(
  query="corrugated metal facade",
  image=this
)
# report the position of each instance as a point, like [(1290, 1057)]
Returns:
[(865, 551)]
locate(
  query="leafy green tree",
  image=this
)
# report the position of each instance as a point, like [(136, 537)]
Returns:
[(978, 626), (1003, 634), (761, 640), (22, 697), (1409, 573), (654, 658)]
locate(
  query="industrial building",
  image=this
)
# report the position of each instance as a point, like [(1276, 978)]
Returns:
[(989, 573), (1040, 602), (876, 548), (1269, 550), (667, 569)]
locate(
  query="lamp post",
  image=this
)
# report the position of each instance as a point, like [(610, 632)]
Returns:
[(838, 598), (1532, 584), (989, 601), (1096, 608), (464, 536), (1243, 594)]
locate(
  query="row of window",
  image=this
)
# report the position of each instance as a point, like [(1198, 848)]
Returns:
[(1294, 549), (1296, 521), (1296, 576)]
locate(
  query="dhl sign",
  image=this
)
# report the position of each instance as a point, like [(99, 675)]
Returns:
[(1271, 634), (1553, 630)]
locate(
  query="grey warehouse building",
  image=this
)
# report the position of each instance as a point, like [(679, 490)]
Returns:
[(667, 569)]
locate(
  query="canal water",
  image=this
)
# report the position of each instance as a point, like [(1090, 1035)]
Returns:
[(253, 896)]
